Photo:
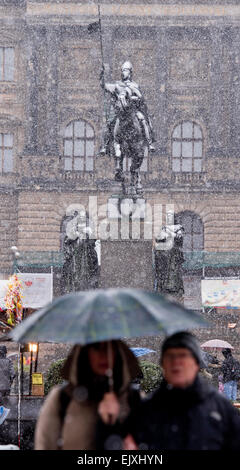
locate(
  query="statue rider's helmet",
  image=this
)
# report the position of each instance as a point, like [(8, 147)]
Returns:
[(127, 66)]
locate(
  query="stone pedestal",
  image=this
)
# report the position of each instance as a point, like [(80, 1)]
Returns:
[(126, 264), (123, 206), (129, 264), (127, 261)]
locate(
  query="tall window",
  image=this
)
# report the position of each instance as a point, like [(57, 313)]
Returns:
[(78, 146), (6, 64), (193, 226), (6, 153), (187, 148)]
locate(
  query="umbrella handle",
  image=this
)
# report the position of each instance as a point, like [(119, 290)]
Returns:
[(109, 408), (110, 366)]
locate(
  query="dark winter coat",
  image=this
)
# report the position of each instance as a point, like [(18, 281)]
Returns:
[(230, 369), (195, 418), (7, 373)]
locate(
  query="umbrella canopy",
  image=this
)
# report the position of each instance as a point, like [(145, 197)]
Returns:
[(216, 343), (141, 351), (103, 314)]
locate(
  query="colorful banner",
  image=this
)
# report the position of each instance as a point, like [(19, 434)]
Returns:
[(221, 292), (37, 289)]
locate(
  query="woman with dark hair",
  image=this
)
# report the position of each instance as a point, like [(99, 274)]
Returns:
[(98, 389)]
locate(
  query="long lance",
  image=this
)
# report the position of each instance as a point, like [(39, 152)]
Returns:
[(100, 33), (103, 67)]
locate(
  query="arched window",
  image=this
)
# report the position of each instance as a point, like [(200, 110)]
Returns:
[(6, 153), (193, 230), (187, 148), (78, 146)]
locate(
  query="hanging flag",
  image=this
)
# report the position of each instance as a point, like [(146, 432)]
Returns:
[(94, 27), (141, 351), (3, 413)]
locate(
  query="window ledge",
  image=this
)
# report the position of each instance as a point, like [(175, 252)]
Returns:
[(189, 178), (75, 175)]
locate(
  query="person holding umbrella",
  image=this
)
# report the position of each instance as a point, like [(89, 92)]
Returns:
[(216, 368), (98, 386), (185, 413)]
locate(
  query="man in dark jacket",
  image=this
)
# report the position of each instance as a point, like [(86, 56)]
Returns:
[(231, 374), (7, 373), (185, 413)]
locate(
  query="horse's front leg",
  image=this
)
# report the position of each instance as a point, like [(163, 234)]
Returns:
[(134, 176), (118, 154), (118, 163), (139, 186), (137, 159)]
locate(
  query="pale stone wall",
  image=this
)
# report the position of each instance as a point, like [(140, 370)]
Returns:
[(40, 215)]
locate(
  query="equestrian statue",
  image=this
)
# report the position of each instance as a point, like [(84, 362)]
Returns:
[(129, 132)]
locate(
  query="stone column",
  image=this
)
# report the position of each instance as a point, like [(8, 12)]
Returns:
[(50, 145), (161, 95), (216, 84), (31, 101), (234, 49)]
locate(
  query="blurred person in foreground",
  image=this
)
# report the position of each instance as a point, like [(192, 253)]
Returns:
[(90, 410), (185, 412)]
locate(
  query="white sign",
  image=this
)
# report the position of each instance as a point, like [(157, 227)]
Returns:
[(37, 289), (3, 291), (220, 292)]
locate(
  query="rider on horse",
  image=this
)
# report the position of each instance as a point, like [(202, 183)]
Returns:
[(126, 97)]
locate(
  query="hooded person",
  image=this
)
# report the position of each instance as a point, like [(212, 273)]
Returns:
[(7, 372), (185, 412), (69, 418), (231, 374)]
